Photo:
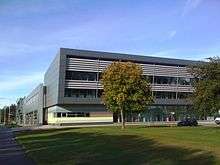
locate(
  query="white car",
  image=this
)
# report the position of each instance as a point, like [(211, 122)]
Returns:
[(217, 120)]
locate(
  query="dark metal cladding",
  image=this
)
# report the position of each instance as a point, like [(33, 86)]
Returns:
[(126, 57)]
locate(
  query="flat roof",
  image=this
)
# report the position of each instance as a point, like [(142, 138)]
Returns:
[(126, 57)]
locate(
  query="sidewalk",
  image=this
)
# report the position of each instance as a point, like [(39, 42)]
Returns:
[(150, 124), (11, 153)]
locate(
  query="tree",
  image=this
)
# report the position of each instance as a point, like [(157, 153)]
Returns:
[(125, 89), (206, 97)]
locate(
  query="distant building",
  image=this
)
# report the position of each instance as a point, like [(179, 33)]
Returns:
[(71, 90), (19, 111), (8, 114)]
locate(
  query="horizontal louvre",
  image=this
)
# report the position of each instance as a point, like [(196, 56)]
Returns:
[(88, 65), (167, 88), (103, 65), (80, 84), (148, 69), (185, 89), (183, 72), (161, 70), (99, 85), (170, 88), (78, 64)]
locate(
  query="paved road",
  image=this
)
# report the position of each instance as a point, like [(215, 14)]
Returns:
[(10, 152)]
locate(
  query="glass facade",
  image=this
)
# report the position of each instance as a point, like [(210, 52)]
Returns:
[(83, 93), (80, 93), (153, 113), (183, 95), (93, 93), (76, 75), (165, 80), (167, 113), (186, 81), (160, 113)]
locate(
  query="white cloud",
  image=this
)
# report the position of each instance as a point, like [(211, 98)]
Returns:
[(190, 5), (171, 34)]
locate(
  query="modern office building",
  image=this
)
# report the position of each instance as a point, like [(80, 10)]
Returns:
[(71, 90)]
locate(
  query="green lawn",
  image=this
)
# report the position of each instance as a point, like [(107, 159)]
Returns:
[(134, 145)]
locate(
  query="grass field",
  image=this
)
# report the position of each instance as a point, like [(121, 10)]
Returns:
[(134, 145)]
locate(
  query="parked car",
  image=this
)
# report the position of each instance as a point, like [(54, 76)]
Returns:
[(188, 122), (217, 120)]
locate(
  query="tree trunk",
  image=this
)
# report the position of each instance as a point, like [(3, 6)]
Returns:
[(122, 120)]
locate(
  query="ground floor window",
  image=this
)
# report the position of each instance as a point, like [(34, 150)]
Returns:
[(159, 113), (71, 114)]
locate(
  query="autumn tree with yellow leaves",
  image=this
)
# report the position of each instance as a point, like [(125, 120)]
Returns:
[(125, 89)]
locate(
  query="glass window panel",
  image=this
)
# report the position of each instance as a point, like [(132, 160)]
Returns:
[(183, 95), (80, 93), (78, 114), (77, 75), (165, 80), (184, 81), (58, 114)]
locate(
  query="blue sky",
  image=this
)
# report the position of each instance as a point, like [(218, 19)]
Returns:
[(32, 31)]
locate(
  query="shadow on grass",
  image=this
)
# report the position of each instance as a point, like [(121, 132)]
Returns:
[(75, 147)]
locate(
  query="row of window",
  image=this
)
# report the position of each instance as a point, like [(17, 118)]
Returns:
[(170, 80), (93, 93), (76, 75), (171, 95), (82, 93), (71, 114), (93, 76)]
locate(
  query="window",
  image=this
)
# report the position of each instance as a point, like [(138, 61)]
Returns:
[(183, 95), (193, 81), (80, 93), (164, 95), (184, 81), (72, 114), (165, 80), (77, 75), (58, 114), (63, 114)]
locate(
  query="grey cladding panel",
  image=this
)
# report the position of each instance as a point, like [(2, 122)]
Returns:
[(51, 81), (34, 102)]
